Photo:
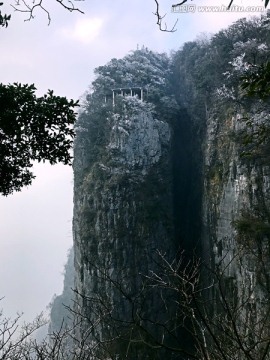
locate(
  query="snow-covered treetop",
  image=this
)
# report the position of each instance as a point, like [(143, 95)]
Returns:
[(142, 68)]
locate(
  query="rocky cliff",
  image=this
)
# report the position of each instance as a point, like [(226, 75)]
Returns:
[(123, 200), (236, 219), (118, 203), (235, 193), (170, 154)]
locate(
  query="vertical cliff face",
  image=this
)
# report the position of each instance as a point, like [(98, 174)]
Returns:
[(123, 212), (236, 212), (233, 156), (235, 172), (236, 178), (123, 204), (122, 207)]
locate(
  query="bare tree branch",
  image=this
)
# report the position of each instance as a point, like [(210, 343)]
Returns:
[(29, 8), (163, 26)]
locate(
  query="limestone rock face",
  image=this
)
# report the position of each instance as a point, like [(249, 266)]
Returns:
[(235, 214), (234, 132), (138, 141), (122, 207)]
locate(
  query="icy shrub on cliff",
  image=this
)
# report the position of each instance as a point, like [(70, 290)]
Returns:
[(148, 74), (205, 71), (142, 68), (132, 105)]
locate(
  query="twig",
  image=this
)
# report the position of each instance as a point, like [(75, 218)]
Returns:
[(163, 27), (31, 8)]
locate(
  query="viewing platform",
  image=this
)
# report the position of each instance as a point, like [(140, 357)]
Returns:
[(126, 91)]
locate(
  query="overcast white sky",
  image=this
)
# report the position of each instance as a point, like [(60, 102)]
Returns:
[(36, 224)]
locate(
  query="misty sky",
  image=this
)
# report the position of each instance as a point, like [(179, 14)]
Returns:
[(36, 224)]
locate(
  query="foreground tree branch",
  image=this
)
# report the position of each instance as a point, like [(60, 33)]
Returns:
[(199, 320), (163, 27), (30, 7), (230, 4), (32, 129), (218, 322)]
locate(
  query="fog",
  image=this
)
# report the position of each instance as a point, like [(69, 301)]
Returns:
[(36, 224)]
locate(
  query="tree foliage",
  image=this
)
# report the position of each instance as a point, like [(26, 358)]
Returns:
[(32, 128), (257, 81), (4, 18), (221, 65)]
